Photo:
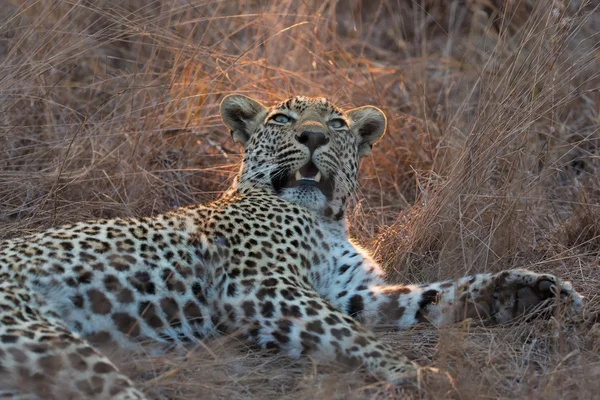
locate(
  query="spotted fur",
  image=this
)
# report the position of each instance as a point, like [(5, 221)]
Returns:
[(270, 259)]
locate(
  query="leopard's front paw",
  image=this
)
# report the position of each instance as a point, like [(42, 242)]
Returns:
[(522, 292)]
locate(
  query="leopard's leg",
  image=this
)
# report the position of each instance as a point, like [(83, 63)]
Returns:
[(492, 298), (278, 313), (42, 358), (495, 298)]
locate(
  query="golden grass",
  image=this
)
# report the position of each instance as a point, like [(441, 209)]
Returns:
[(109, 108)]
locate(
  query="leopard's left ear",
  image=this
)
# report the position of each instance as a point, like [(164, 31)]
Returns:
[(369, 123)]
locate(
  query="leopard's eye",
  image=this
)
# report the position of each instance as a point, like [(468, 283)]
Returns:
[(337, 123), (280, 119)]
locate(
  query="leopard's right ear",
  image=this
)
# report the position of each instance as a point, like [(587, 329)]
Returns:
[(239, 113)]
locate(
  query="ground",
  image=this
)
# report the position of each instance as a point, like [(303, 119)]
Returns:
[(110, 108)]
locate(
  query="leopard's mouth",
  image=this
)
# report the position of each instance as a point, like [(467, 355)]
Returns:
[(308, 177)]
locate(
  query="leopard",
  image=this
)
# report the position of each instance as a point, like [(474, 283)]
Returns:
[(270, 260)]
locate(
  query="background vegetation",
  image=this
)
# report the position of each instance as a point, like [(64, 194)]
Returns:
[(110, 108)]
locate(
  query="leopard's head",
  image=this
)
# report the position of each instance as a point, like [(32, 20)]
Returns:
[(305, 149)]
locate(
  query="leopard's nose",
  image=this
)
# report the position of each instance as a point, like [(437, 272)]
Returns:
[(312, 139)]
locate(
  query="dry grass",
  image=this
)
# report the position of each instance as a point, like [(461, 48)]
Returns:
[(109, 108)]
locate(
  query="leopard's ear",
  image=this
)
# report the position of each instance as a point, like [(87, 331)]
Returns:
[(239, 114), (369, 124)]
